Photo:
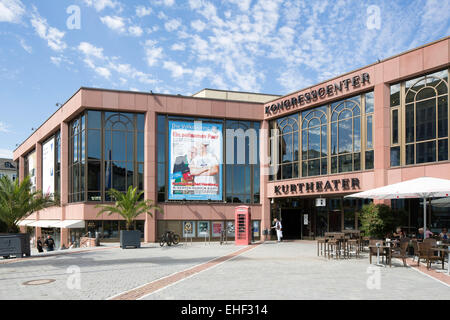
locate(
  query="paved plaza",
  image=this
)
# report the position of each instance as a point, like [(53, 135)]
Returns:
[(269, 270)]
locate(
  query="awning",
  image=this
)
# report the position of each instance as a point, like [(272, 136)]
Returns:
[(70, 224), (44, 223), (25, 222)]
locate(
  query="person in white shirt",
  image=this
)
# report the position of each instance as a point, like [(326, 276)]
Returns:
[(204, 166), (277, 226)]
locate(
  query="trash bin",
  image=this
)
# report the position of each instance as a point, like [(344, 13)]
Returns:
[(97, 238)]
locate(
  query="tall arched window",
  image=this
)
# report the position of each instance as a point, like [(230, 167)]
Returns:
[(288, 146), (426, 118), (119, 151), (314, 142), (346, 135)]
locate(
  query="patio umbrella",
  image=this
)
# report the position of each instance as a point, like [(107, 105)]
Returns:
[(424, 187), (441, 203)]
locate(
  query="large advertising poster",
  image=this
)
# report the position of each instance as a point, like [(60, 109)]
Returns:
[(195, 161), (48, 167), (32, 170)]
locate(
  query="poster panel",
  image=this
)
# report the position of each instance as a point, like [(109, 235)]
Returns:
[(48, 166), (217, 227), (188, 229), (203, 228), (195, 161), (32, 170), (230, 228), (256, 228)]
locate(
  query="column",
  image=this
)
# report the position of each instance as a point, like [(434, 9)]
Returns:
[(150, 173), (382, 136), (21, 168), (64, 183), (264, 178)]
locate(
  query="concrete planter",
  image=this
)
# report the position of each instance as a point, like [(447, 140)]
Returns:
[(15, 244), (130, 238)]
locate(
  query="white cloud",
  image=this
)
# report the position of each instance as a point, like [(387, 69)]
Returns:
[(26, 47), (152, 53), (167, 3), (4, 127), (5, 153), (142, 11), (172, 25), (176, 69), (104, 72), (178, 47), (11, 11), (53, 36), (198, 25), (114, 22), (91, 50), (135, 31), (99, 5)]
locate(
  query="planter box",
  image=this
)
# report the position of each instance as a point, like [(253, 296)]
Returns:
[(15, 244), (130, 238)]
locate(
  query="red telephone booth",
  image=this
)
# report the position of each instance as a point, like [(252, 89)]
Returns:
[(242, 223)]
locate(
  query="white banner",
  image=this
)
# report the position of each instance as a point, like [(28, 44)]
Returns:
[(48, 167)]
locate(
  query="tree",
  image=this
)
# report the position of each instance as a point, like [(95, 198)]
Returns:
[(377, 220), (17, 201), (128, 205)]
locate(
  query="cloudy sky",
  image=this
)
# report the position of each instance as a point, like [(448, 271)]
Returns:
[(50, 48)]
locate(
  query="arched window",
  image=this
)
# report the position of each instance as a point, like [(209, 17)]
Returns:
[(346, 135), (314, 142), (287, 138), (426, 118), (119, 151)]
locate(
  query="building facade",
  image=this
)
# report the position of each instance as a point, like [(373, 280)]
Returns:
[(294, 157), (8, 168)]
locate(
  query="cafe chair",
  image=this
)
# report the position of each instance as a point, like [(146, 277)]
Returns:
[(400, 252), (428, 254), (321, 246)]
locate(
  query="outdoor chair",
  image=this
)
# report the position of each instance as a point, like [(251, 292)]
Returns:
[(333, 247), (353, 246), (401, 252), (417, 252), (321, 246), (428, 254), (431, 241), (373, 249)]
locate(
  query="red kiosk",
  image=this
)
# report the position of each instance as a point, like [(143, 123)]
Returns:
[(242, 222)]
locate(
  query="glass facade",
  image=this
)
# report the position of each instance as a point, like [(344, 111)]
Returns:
[(109, 147), (241, 180), (329, 139), (419, 120)]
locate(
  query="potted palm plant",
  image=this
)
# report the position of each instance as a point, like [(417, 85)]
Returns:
[(129, 206), (17, 202)]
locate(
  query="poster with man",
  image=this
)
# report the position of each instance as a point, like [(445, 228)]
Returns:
[(195, 160)]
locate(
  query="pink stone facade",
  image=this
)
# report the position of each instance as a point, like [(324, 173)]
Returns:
[(431, 57)]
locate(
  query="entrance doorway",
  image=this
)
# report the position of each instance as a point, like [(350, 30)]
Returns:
[(334, 221), (291, 221)]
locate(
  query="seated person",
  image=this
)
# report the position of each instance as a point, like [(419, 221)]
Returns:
[(420, 235), (428, 234), (399, 234), (443, 235)]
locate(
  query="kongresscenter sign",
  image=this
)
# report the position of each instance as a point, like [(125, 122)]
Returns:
[(195, 160)]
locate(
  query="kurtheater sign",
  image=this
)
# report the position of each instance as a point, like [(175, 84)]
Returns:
[(318, 186), (329, 90)]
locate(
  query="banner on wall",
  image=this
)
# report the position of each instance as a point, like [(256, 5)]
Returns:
[(48, 167), (32, 169), (195, 161)]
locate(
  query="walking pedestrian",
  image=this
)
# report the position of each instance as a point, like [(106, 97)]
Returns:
[(277, 226), (49, 243), (39, 244)]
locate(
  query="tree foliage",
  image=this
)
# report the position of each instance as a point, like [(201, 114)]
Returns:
[(128, 205), (377, 220), (17, 201)]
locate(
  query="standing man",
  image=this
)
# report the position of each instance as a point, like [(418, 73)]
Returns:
[(277, 226), (39, 245), (49, 243)]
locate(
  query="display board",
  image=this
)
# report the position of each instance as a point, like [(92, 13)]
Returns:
[(48, 167), (195, 161)]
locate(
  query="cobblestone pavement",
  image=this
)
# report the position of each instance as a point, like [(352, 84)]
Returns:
[(288, 270)]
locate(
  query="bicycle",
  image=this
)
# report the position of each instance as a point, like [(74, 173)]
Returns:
[(170, 238), (223, 234)]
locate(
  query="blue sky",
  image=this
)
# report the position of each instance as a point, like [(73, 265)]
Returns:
[(50, 48)]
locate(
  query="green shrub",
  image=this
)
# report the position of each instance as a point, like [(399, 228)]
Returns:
[(377, 220)]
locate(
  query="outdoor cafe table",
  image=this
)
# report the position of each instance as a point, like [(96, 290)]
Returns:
[(388, 248)]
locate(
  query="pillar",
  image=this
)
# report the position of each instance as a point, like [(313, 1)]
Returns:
[(64, 183), (150, 191), (264, 175)]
